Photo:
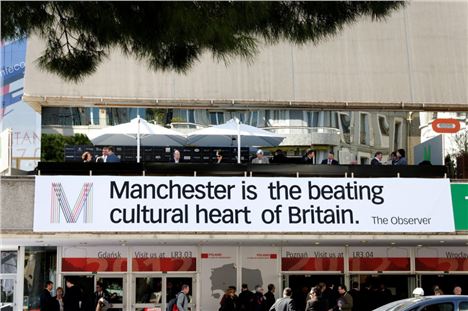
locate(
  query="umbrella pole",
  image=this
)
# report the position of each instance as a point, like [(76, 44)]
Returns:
[(138, 140), (238, 142)]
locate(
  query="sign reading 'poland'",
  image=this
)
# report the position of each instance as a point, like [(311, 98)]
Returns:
[(254, 204)]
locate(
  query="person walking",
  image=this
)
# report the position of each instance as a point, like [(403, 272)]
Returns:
[(182, 299), (286, 303)]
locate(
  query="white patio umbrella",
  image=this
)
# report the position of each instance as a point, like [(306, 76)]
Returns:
[(224, 135), (136, 132)]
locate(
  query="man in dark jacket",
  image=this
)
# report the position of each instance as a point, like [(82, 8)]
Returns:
[(100, 292), (330, 160), (245, 298), (286, 303), (270, 296), (46, 297), (377, 160), (72, 298)]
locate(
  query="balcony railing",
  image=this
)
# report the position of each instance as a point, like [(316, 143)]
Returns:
[(290, 169), (301, 130)]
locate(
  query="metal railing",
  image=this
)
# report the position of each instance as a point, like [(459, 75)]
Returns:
[(303, 129)]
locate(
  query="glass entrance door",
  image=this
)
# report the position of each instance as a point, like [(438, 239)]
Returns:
[(114, 284), (153, 292), (301, 284), (148, 293), (377, 290)]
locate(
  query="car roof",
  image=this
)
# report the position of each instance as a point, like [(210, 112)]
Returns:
[(403, 304)]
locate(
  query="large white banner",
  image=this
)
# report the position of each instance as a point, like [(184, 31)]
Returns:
[(249, 204)]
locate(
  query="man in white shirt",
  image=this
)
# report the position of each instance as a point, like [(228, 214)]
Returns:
[(260, 159)]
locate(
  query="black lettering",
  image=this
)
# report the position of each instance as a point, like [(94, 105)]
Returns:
[(113, 211), (123, 190)]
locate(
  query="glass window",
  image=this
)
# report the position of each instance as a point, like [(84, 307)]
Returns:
[(40, 265), (463, 306), (69, 116), (383, 126), (253, 120), (9, 259), (446, 306), (240, 115), (7, 289), (114, 285), (397, 136), (364, 135), (94, 116), (312, 118), (183, 115), (345, 125), (216, 117), (148, 290)]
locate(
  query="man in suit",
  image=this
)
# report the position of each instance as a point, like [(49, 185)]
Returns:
[(111, 157), (72, 298), (377, 160), (176, 157), (286, 303), (46, 298), (330, 160), (309, 158)]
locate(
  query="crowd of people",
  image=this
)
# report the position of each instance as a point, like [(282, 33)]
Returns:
[(396, 158), (72, 298), (108, 156), (319, 298)]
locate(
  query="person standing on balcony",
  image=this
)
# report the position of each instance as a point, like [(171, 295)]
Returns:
[(87, 157), (176, 157), (401, 157), (111, 156), (260, 159), (377, 160), (330, 160), (309, 158), (219, 157)]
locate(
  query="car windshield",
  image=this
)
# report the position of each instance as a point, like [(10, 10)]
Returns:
[(398, 305)]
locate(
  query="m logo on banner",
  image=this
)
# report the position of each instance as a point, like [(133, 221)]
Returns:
[(60, 204)]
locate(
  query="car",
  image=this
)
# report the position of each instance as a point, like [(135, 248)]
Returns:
[(428, 303)]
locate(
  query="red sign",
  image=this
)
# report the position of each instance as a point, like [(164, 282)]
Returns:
[(164, 264), (441, 264), (94, 264), (446, 125), (312, 264), (379, 264)]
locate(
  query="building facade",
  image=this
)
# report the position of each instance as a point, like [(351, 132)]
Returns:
[(353, 94)]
